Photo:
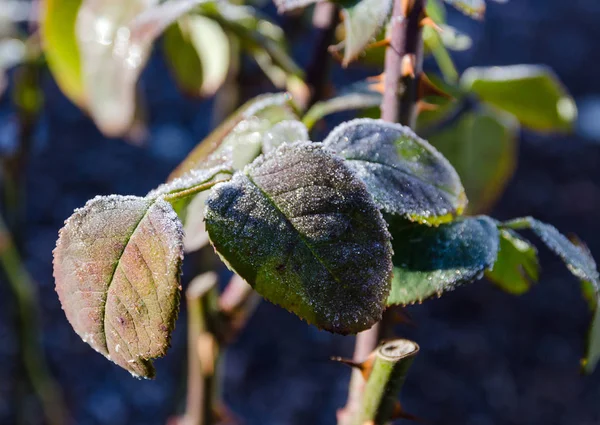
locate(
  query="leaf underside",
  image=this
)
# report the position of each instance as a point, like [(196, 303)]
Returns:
[(117, 266), (304, 232), (431, 260), (404, 174)]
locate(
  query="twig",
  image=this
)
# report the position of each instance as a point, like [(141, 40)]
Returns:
[(403, 63), (237, 303), (390, 366), (203, 350)]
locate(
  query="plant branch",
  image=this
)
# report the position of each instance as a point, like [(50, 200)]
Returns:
[(203, 350), (390, 366), (325, 21), (403, 63), (237, 303)]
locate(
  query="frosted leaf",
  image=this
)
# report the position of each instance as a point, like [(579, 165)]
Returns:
[(117, 266), (581, 264), (288, 131), (239, 138), (300, 228), (431, 260), (363, 20), (404, 174)]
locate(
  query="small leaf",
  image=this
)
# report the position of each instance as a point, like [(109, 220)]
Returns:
[(473, 8), (57, 31), (263, 111), (517, 266), (358, 96), (431, 260), (581, 264), (482, 146), (404, 174), (288, 131), (531, 93), (198, 53), (304, 232), (117, 266), (115, 40), (363, 20)]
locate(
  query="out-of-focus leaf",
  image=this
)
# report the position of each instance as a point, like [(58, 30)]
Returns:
[(429, 261), (358, 96), (289, 131), (581, 264), (455, 40), (404, 174), (433, 41), (482, 147), (115, 39), (473, 8), (436, 10), (12, 52), (300, 228), (198, 53), (57, 30), (363, 20), (532, 93), (243, 127), (237, 142), (117, 267), (285, 5), (517, 266)]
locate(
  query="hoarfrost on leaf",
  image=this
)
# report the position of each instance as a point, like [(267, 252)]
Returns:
[(117, 267), (300, 228)]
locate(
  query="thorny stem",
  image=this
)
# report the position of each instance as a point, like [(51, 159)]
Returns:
[(24, 291), (325, 20), (203, 350), (403, 63)]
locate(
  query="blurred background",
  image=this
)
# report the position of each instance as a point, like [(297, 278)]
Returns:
[(486, 357)]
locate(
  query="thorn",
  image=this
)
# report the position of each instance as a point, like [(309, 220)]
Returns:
[(401, 316), (427, 88), (423, 106), (399, 413), (381, 43), (335, 52), (406, 7), (428, 22), (377, 83), (408, 65), (365, 367)]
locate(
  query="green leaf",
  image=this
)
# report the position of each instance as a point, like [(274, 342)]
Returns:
[(198, 53), (431, 260), (517, 266), (285, 5), (240, 136), (482, 146), (117, 266), (288, 131), (363, 20), (531, 93), (581, 264), (115, 40), (473, 8), (304, 232), (57, 31), (358, 96), (404, 174)]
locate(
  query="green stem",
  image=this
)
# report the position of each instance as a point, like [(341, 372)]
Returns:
[(25, 294), (391, 364), (517, 223), (186, 193), (203, 350)]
